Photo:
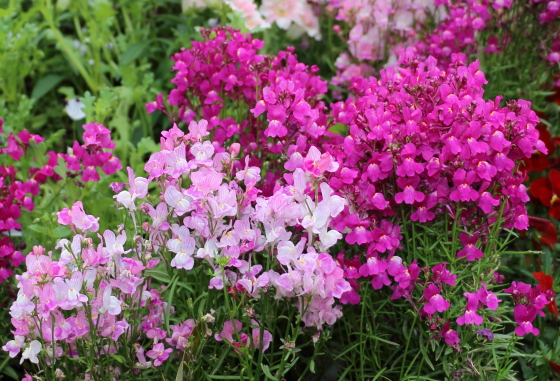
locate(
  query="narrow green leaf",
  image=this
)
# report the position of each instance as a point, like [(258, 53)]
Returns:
[(119, 358), (267, 373), (158, 275), (46, 84)]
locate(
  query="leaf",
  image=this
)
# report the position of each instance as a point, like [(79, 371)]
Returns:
[(266, 371), (158, 275), (180, 375), (46, 84), (133, 52), (340, 129), (10, 372), (119, 358), (62, 4), (38, 229), (6, 12), (61, 231), (60, 169), (88, 101)]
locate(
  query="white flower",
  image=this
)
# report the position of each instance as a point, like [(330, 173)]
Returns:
[(74, 109), (31, 352)]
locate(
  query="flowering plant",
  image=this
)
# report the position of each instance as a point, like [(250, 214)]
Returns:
[(258, 233)]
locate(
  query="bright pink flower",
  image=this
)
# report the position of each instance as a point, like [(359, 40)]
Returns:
[(434, 301), (488, 298), (524, 317), (470, 316), (463, 191), (409, 194), (470, 252)]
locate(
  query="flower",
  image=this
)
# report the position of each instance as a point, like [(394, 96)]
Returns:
[(549, 235), (434, 301), (486, 333), (74, 109), (546, 282), (470, 316), (524, 317), (30, 353), (547, 190), (470, 252), (159, 353), (450, 336)]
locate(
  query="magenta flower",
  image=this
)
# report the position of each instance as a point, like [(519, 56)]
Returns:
[(434, 300), (386, 237), (409, 194), (524, 316), (463, 191), (373, 266), (450, 336), (488, 298), (470, 316), (470, 252), (408, 275), (359, 234), (440, 273), (487, 202), (409, 167)]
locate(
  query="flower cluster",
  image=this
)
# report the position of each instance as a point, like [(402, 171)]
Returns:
[(551, 12), (15, 195), (455, 33), (529, 303), (230, 333), (223, 196), (428, 140), (243, 209), (79, 298), (475, 300), (96, 152), (375, 26), (225, 71), (297, 16)]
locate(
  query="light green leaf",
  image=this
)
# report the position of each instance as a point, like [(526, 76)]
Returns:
[(6, 12), (38, 229), (267, 373), (119, 358), (340, 129), (62, 231)]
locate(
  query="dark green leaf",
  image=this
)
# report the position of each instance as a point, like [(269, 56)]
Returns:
[(133, 52), (45, 85)]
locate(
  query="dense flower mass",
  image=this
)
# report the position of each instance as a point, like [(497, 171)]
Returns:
[(265, 216), (17, 194), (428, 140)]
